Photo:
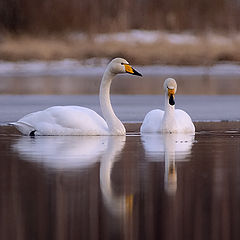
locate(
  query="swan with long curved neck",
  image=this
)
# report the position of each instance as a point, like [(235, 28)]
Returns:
[(76, 120), (171, 120)]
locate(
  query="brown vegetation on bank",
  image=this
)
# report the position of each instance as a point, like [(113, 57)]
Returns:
[(202, 52), (25, 26), (94, 16)]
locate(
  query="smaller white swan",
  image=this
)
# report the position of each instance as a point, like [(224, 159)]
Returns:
[(171, 120), (75, 120)]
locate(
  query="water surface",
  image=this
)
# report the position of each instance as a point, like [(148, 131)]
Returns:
[(134, 187), (129, 108)]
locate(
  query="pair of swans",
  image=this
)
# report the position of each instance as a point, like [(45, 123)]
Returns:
[(76, 120)]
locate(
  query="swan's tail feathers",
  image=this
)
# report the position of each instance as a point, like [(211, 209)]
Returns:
[(24, 128)]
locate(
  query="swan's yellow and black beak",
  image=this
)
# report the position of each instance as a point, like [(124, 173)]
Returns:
[(171, 94), (131, 70)]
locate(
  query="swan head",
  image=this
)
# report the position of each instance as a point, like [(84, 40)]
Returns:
[(170, 88), (120, 65)]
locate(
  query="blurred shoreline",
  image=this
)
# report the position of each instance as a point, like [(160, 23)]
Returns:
[(96, 67), (139, 47), (70, 77), (129, 108)]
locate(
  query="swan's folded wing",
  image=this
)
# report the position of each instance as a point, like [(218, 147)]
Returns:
[(184, 121), (23, 127), (64, 120), (152, 121)]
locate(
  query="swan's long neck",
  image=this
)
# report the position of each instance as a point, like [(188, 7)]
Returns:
[(169, 121), (115, 126)]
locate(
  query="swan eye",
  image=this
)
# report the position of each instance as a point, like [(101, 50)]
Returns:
[(122, 63)]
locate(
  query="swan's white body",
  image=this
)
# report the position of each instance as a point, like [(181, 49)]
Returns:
[(63, 120), (75, 120), (171, 120), (157, 121)]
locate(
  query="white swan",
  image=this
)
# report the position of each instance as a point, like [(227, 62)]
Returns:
[(75, 120), (171, 120)]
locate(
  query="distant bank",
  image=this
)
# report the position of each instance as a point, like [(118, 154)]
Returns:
[(139, 46)]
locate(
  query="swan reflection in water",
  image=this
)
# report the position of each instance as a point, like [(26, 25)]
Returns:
[(119, 205), (170, 148), (80, 152), (65, 152)]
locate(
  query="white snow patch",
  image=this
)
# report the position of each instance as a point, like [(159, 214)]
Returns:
[(149, 37), (219, 39), (183, 38), (52, 68), (134, 36), (70, 67), (173, 70), (140, 36), (225, 69), (216, 70)]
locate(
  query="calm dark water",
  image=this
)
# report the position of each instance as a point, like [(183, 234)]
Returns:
[(149, 187)]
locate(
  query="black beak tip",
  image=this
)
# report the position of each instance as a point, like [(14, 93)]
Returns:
[(137, 73), (171, 100)]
